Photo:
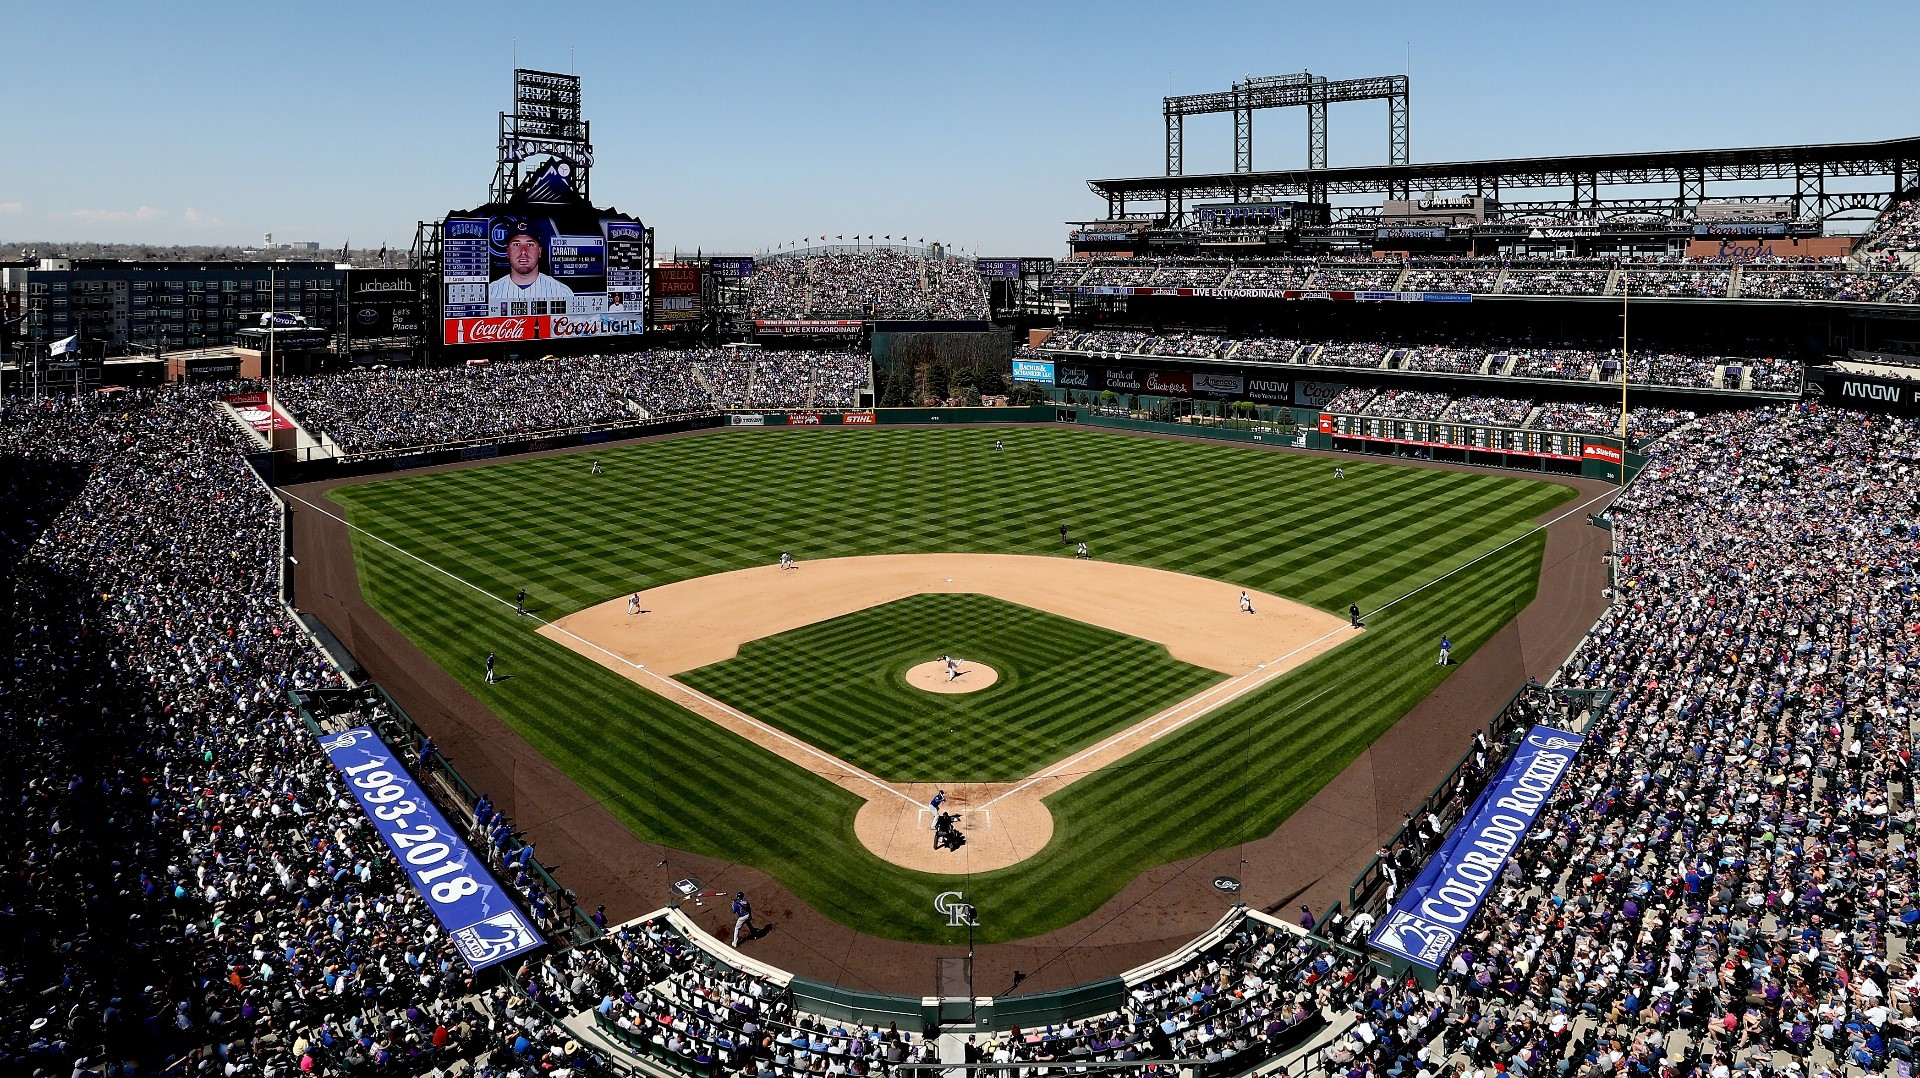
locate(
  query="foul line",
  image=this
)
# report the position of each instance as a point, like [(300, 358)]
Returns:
[(623, 660), (1260, 675)]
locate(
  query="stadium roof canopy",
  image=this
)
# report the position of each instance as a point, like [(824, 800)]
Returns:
[(1689, 170)]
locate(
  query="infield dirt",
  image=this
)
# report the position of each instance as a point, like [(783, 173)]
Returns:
[(696, 622)]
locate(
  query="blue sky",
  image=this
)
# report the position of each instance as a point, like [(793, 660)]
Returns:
[(738, 126)]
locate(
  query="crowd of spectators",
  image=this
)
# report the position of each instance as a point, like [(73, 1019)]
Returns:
[(1474, 275), (384, 410), (1351, 400), (1407, 404), (1583, 281), (1190, 345), (190, 888), (1269, 349), (1498, 411), (1361, 277), (1565, 364), (882, 283), (1364, 354), (1896, 232), (1691, 281), (1723, 868), (1444, 358), (1831, 284)]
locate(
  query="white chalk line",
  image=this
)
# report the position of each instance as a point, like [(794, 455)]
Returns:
[(1262, 674), (623, 660)]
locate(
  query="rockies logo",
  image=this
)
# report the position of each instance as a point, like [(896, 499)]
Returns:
[(958, 911)]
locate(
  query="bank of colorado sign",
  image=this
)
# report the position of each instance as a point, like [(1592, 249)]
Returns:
[(1432, 914)]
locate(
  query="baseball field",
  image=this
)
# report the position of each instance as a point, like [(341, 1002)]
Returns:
[(1128, 711)]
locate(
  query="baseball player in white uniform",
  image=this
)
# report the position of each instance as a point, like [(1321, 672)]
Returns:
[(1246, 602), (524, 285), (786, 560), (633, 604), (953, 666)]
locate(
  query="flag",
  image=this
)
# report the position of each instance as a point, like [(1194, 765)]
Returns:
[(383, 252), (62, 347), (343, 250)]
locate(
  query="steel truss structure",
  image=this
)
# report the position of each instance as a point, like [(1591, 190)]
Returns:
[(1304, 90), (1686, 172)]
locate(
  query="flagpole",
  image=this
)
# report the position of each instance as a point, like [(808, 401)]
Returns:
[(273, 400)]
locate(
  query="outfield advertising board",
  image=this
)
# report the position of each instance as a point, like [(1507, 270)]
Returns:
[(1215, 384), (860, 419), (803, 419), (453, 881), (1033, 370), (1432, 914)]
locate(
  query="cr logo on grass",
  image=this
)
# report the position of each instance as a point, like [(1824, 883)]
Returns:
[(958, 910)]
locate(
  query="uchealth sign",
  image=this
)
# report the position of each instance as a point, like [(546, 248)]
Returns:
[(1433, 913)]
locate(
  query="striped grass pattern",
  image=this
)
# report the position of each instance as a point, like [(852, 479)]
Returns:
[(688, 507), (839, 686)]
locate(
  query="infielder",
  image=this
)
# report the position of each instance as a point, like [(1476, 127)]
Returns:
[(633, 604), (1081, 551), (786, 560), (1246, 602)]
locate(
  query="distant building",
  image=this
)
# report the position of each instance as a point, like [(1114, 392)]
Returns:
[(131, 305)]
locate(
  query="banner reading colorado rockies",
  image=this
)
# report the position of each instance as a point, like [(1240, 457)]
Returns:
[(485, 924), (1430, 916)]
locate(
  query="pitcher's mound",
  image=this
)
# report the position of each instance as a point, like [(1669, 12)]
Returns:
[(933, 677)]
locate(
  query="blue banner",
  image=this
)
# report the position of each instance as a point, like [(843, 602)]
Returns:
[(485, 924), (1033, 370), (1429, 917)]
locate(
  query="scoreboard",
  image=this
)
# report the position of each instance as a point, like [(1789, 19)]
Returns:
[(1559, 445)]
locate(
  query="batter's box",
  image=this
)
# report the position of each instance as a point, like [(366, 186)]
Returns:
[(980, 819)]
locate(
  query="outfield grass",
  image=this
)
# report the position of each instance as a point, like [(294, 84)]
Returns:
[(688, 507), (839, 685)]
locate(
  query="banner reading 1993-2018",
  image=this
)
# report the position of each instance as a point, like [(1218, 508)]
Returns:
[(485, 924), (1430, 916)]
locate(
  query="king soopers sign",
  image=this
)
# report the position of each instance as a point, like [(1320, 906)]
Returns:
[(453, 881), (1429, 918)]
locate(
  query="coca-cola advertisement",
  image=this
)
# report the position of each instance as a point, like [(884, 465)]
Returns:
[(497, 330)]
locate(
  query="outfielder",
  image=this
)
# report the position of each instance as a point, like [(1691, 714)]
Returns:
[(595, 470), (1446, 651)]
